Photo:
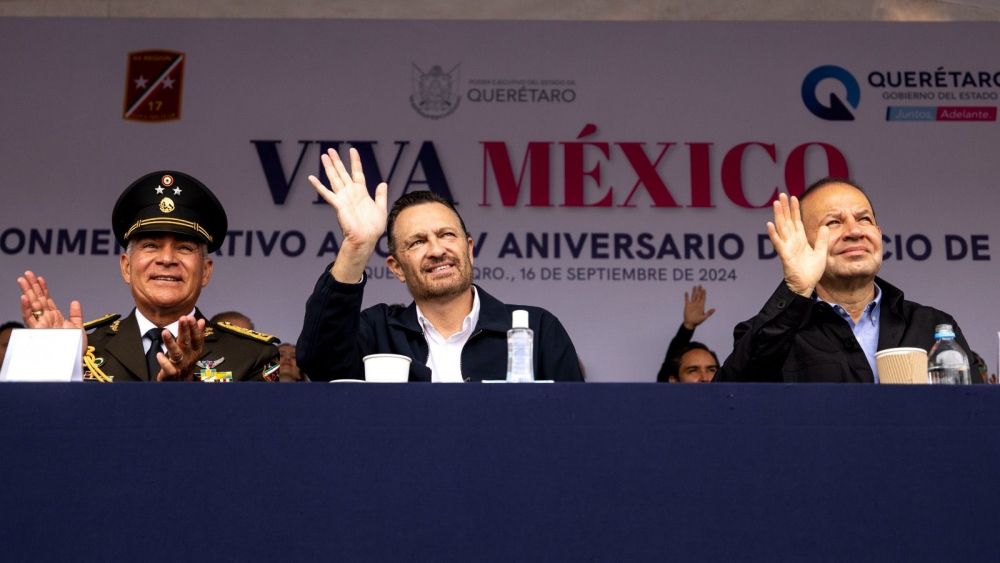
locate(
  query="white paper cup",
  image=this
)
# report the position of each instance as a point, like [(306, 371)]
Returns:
[(387, 368), (902, 365)]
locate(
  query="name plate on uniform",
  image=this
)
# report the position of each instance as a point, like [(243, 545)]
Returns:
[(43, 354)]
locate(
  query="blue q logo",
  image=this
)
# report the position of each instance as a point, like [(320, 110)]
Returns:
[(836, 110)]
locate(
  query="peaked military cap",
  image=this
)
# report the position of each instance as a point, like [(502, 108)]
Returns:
[(169, 202)]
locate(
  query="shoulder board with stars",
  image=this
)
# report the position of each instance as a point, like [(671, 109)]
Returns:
[(260, 336), (97, 323)]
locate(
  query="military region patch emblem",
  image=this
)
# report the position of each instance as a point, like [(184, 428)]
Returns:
[(153, 84), (435, 92)]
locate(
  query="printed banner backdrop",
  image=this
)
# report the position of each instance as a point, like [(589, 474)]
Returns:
[(603, 168)]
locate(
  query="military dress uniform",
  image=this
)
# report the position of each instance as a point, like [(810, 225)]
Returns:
[(169, 201), (115, 353)]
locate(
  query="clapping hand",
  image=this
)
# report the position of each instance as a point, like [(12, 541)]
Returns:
[(179, 362), (694, 308), (803, 264), (39, 310)]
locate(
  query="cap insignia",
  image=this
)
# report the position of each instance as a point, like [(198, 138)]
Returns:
[(167, 205), (167, 180)]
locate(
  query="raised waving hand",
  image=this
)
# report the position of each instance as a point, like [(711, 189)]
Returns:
[(803, 264), (362, 218), (694, 307)]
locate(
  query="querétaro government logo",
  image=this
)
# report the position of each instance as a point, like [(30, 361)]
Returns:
[(837, 109), (153, 85), (435, 92)]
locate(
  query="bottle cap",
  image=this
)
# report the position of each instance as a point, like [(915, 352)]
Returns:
[(520, 319), (944, 331)]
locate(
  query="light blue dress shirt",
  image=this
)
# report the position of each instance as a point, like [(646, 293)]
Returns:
[(866, 329)]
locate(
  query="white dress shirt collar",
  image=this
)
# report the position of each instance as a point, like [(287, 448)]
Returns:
[(445, 354), (145, 325)]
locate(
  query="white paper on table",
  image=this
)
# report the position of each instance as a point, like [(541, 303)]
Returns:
[(43, 354)]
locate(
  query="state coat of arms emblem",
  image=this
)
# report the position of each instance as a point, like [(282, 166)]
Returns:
[(435, 92)]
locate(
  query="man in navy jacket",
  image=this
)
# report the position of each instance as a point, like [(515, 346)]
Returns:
[(831, 313), (452, 332)]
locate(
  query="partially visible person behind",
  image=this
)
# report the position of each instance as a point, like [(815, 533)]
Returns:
[(288, 366), (831, 313), (169, 223), (234, 318), (5, 330), (978, 365), (695, 364), (694, 314), (453, 331)]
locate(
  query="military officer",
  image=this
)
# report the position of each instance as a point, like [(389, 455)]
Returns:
[(169, 223)]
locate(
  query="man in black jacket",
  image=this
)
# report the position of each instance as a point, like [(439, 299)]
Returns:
[(831, 313), (452, 332)]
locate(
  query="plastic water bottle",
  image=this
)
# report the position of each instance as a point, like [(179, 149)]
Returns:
[(519, 350), (947, 362)]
